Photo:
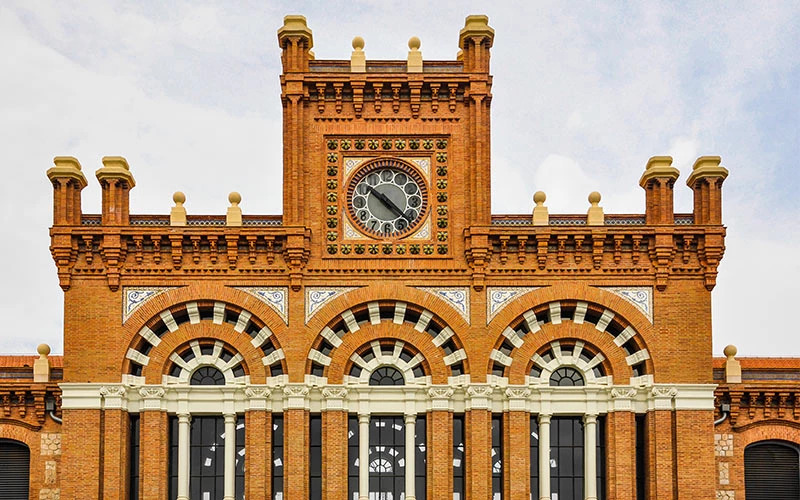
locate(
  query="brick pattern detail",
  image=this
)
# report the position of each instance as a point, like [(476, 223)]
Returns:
[(258, 456), (334, 455)]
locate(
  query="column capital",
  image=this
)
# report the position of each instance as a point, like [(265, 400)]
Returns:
[(440, 398), (410, 418), (184, 417), (590, 418), (363, 418), (334, 398), (151, 398), (517, 398), (544, 418), (295, 397), (479, 397), (258, 398)]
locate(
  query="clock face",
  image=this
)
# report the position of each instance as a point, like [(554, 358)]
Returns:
[(387, 200)]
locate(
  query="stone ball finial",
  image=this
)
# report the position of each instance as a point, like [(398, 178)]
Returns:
[(414, 43), (358, 43), (594, 197), (539, 197), (234, 198), (730, 351), (43, 349), (179, 198)]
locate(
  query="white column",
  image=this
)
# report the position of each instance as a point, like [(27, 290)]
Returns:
[(363, 456), (544, 457), (183, 456), (230, 456), (590, 456), (411, 424)]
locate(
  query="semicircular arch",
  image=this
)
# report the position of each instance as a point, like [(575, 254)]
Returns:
[(409, 322), (596, 316), (181, 321)]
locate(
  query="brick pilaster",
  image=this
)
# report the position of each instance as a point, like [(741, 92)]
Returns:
[(81, 449), (295, 453), (440, 455), (334, 455), (258, 459), (478, 424), (660, 448), (516, 454), (115, 455), (154, 455)]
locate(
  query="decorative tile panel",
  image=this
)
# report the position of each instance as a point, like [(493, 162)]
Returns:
[(500, 297), (136, 297), (351, 163), (457, 298), (316, 297), (424, 165), (350, 232), (276, 297), (640, 296), (424, 232)]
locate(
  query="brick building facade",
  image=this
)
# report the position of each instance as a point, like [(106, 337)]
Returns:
[(387, 336)]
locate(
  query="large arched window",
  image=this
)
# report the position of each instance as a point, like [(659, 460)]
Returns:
[(772, 471), (14, 470)]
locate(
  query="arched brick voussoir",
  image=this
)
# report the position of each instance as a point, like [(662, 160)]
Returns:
[(200, 292), (240, 342), (603, 342), (389, 291), (767, 430), (28, 437), (572, 291), (419, 341)]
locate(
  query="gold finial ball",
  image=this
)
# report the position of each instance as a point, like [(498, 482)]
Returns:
[(179, 198), (594, 197), (730, 351), (414, 43), (43, 349), (235, 198), (539, 197), (358, 43)]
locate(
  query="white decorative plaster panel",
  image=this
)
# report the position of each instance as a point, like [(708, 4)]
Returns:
[(640, 296), (351, 163), (500, 297), (276, 297), (424, 164), (136, 297), (351, 233), (457, 298), (424, 232), (316, 297)]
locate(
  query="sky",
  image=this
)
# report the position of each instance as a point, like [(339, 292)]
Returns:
[(584, 93)]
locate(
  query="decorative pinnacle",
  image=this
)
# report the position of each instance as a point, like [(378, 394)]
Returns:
[(43, 350), (234, 198), (179, 198), (414, 43), (594, 198), (730, 351), (358, 43), (539, 198)]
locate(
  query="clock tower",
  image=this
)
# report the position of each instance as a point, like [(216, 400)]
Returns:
[(386, 159)]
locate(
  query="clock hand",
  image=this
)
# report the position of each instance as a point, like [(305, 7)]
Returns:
[(388, 203)]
